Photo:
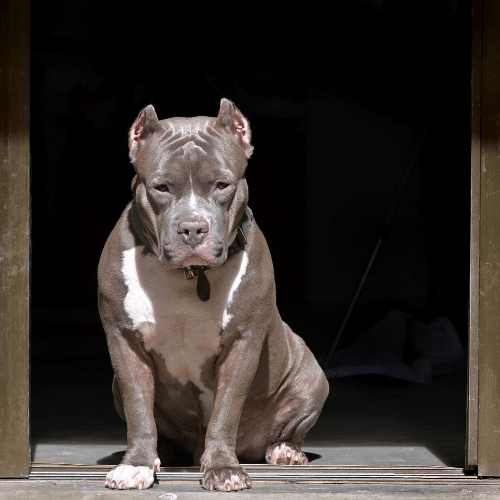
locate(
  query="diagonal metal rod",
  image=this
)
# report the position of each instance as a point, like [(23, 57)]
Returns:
[(383, 232)]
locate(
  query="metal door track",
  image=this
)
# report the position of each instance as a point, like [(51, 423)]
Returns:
[(276, 474)]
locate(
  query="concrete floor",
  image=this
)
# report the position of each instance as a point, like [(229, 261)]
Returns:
[(367, 420)]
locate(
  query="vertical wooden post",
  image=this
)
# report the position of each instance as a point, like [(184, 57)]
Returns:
[(14, 237), (475, 231), (489, 246)]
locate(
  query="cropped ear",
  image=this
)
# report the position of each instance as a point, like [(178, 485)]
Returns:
[(145, 125), (231, 120)]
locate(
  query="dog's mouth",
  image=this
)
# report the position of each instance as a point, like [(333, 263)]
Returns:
[(180, 252), (175, 257), (195, 262)]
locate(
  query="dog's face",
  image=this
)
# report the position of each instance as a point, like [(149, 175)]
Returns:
[(190, 187)]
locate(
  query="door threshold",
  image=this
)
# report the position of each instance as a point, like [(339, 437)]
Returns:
[(277, 474)]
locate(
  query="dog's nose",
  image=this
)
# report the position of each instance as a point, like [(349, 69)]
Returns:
[(193, 231)]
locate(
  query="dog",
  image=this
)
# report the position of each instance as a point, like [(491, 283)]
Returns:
[(203, 362)]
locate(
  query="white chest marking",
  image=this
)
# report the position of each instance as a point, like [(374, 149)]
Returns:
[(137, 304), (226, 317), (172, 321), (184, 333)]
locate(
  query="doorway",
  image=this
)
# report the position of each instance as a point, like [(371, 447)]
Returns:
[(335, 120)]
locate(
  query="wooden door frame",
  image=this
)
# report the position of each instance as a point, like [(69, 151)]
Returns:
[(483, 440), (14, 237)]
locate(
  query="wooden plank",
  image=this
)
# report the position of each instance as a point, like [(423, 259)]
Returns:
[(14, 238), (489, 308), (472, 402)]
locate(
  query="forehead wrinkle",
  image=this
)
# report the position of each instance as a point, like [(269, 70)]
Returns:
[(185, 158), (173, 139), (211, 130), (188, 142), (193, 127), (184, 142)]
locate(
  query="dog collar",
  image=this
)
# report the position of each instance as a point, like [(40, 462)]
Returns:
[(190, 272), (242, 232), (138, 226)]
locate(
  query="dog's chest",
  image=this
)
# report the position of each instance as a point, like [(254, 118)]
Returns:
[(164, 309)]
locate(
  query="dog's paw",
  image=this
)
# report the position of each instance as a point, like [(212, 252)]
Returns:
[(285, 454), (128, 477), (225, 479)]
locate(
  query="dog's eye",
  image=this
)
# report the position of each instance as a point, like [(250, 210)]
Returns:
[(222, 185), (162, 187)]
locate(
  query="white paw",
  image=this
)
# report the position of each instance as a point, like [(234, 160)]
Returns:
[(127, 477), (285, 454)]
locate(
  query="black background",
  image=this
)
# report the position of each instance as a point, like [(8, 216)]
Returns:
[(391, 64)]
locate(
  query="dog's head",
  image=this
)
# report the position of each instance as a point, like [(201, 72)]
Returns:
[(189, 186)]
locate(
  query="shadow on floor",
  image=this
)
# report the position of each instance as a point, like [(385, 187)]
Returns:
[(367, 420)]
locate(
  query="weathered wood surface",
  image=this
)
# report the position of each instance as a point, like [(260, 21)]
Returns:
[(14, 238)]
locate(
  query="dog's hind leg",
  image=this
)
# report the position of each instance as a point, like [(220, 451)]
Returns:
[(287, 450)]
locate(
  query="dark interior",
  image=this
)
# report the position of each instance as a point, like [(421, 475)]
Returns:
[(338, 103)]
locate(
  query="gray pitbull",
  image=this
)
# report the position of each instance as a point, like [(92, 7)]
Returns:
[(203, 361)]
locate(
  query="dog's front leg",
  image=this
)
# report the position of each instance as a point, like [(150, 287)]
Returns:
[(135, 392), (235, 373)]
